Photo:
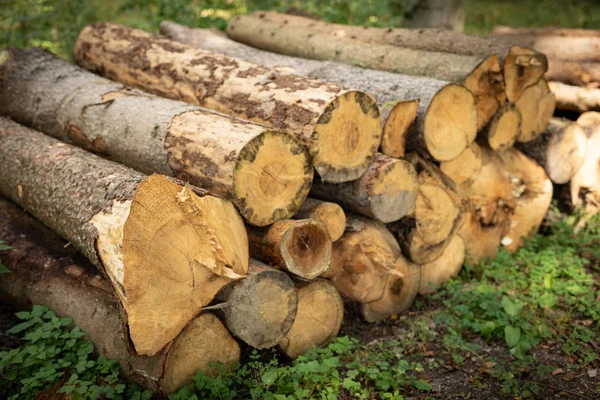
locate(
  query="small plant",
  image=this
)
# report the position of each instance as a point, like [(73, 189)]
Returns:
[(3, 247)]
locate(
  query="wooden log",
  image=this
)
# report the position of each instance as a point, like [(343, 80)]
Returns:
[(45, 270), (438, 272), (545, 31), (574, 73), (573, 98), (261, 308), (586, 182), (386, 191), (363, 259), (481, 240), (438, 214), (400, 292), (523, 68), (166, 250), (560, 150), (330, 214), (232, 158), (341, 128), (465, 168), (318, 321), (301, 247), (504, 128), (536, 106), (388, 88)]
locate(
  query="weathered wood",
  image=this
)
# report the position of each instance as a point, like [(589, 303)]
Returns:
[(166, 250), (504, 128), (301, 247), (560, 149), (386, 191), (363, 259), (536, 106), (330, 214), (387, 88), (523, 68), (261, 308), (573, 98), (318, 321), (45, 270), (465, 168), (340, 127), (397, 126), (232, 158), (438, 272)]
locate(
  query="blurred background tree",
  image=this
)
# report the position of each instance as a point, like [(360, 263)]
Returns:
[(55, 24)]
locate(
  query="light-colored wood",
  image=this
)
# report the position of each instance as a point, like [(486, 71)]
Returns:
[(523, 68), (585, 184), (465, 168), (166, 250), (260, 309), (318, 321), (574, 73), (397, 127), (237, 160), (386, 191), (340, 127), (574, 98), (481, 240), (487, 85), (438, 272), (330, 214), (504, 128), (545, 31), (536, 106), (301, 247)]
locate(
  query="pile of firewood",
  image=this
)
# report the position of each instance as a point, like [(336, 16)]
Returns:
[(419, 149)]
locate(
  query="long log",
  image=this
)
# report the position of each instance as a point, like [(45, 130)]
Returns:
[(301, 247), (438, 272), (574, 73), (447, 136), (261, 308), (363, 259), (330, 214), (536, 106), (560, 149), (318, 321), (574, 98), (232, 158), (585, 184), (340, 127), (545, 31), (386, 191), (45, 270), (166, 250)]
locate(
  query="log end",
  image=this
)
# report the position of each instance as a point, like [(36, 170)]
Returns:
[(504, 128), (523, 68), (565, 154), (346, 137), (330, 214), (272, 178), (393, 192), (487, 85), (306, 248), (536, 105), (438, 272), (396, 127), (464, 168), (450, 122)]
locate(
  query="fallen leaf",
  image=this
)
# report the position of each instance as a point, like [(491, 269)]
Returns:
[(592, 373), (558, 371)]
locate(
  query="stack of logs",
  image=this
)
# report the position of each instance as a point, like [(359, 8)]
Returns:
[(193, 214)]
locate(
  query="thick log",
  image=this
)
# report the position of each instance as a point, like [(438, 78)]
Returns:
[(574, 73), (560, 149), (481, 240), (261, 308), (504, 128), (166, 250), (400, 292), (45, 270), (585, 184), (318, 321), (232, 158), (438, 272), (536, 106), (363, 259), (438, 214), (330, 214), (523, 68), (465, 168), (386, 191), (341, 128), (573, 98), (301, 247), (388, 88)]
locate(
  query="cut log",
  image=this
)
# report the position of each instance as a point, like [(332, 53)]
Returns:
[(45, 270), (438, 214), (362, 259), (318, 321), (261, 308), (341, 128), (504, 128), (465, 168), (586, 182), (481, 240), (400, 292), (560, 149), (545, 31), (301, 247), (166, 250), (437, 273), (536, 106), (386, 191), (234, 159), (487, 85), (398, 121), (387, 88), (573, 98), (523, 68), (330, 214), (574, 73)]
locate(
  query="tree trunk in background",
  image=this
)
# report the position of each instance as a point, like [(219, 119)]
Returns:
[(574, 73), (585, 184), (45, 270), (446, 14), (573, 98), (167, 251), (341, 128), (330, 214)]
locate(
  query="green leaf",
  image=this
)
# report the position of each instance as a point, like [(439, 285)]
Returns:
[(4, 246), (511, 308), (548, 300), (3, 269), (22, 315), (512, 335), (269, 377), (487, 329), (421, 385)]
